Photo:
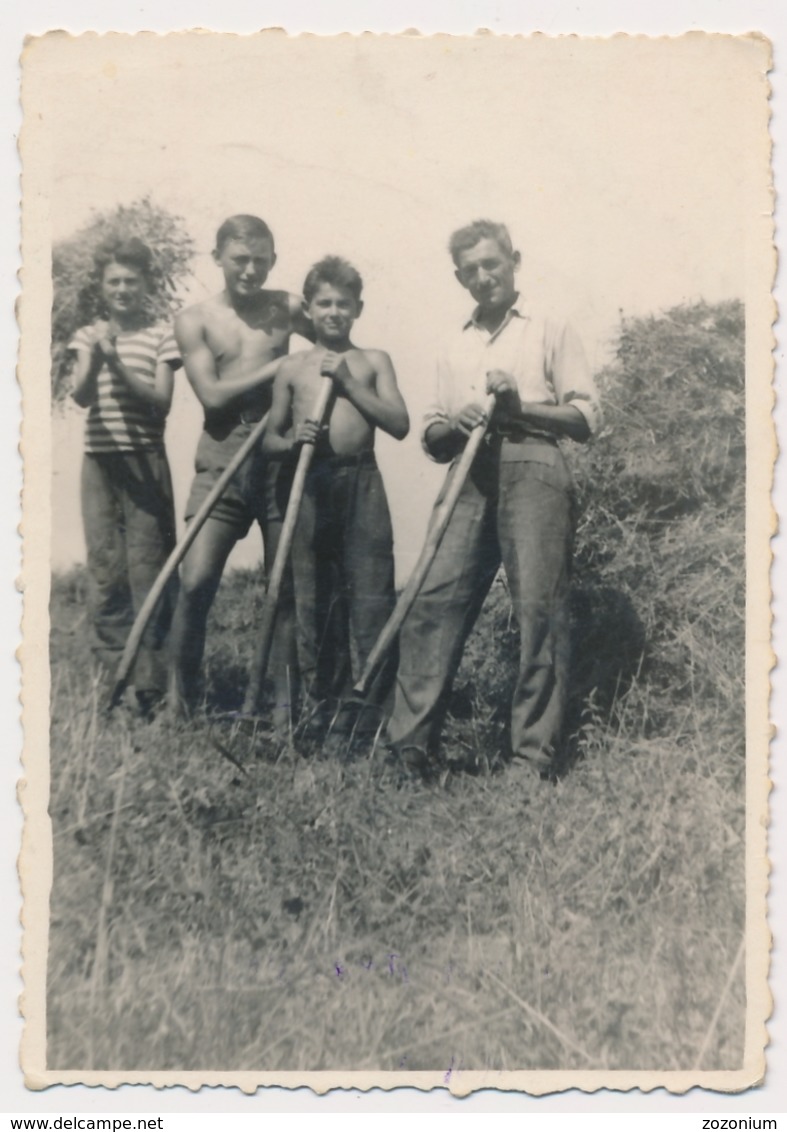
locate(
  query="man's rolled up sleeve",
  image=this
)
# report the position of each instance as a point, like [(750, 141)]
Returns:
[(573, 381), (438, 410)]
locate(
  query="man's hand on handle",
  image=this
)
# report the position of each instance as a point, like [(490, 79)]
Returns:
[(468, 418), (504, 387), (446, 438), (508, 405)]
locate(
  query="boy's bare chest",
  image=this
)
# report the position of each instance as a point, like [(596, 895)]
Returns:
[(309, 383), (361, 370), (251, 338), (307, 387)]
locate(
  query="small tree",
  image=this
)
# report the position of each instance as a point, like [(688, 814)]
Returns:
[(77, 299)]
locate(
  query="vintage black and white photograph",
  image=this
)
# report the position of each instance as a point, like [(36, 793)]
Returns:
[(397, 450)]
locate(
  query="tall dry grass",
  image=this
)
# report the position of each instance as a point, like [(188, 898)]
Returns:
[(221, 901)]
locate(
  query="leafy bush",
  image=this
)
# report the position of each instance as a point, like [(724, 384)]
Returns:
[(77, 300), (674, 402), (662, 496)]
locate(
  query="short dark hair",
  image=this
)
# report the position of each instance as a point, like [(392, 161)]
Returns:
[(130, 252), (464, 238), (335, 270), (242, 227)]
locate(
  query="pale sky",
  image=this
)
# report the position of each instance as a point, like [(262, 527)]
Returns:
[(623, 168)]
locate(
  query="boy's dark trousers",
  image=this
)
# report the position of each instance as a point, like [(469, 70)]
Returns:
[(343, 572), (129, 521)]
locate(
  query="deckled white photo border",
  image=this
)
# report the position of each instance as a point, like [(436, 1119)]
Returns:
[(760, 641)]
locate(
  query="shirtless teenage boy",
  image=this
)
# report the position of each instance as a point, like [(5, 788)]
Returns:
[(232, 345), (342, 557)]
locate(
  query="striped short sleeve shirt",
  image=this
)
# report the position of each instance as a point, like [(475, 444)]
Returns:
[(118, 421)]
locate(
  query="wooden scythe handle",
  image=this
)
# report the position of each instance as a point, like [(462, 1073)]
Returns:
[(176, 557), (437, 528), (270, 608)]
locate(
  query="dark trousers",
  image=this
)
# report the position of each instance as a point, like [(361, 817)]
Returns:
[(129, 521), (343, 572), (516, 508)]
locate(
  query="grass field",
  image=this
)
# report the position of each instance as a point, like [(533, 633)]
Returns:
[(297, 914), (224, 902)]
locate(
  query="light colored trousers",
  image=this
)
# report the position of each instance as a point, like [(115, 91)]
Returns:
[(516, 508)]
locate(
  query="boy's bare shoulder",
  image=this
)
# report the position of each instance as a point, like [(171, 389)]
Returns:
[(284, 301), (294, 302), (198, 313), (292, 364), (375, 358), (284, 307)]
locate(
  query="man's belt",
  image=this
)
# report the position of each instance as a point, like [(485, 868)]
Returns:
[(515, 434)]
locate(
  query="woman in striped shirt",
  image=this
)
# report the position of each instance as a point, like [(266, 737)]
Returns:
[(124, 375)]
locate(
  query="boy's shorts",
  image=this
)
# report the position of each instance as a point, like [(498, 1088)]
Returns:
[(251, 495)]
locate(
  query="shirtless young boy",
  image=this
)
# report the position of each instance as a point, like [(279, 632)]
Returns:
[(342, 558), (232, 345)]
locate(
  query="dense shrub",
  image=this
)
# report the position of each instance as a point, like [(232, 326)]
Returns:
[(675, 438), (662, 497)]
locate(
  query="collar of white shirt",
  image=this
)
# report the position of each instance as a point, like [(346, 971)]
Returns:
[(516, 310)]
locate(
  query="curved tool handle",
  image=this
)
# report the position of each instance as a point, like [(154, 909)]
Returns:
[(176, 557), (437, 528), (270, 608)]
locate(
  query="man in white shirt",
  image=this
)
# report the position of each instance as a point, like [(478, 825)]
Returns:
[(516, 507)]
